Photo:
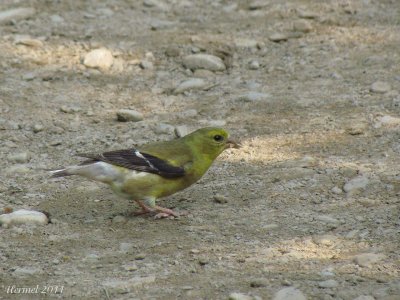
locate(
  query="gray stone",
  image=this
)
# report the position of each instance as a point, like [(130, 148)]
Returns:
[(240, 296), (254, 65), (16, 14), (337, 190), (368, 259), (119, 220), (220, 199), (20, 158), (331, 283), (278, 37), (37, 128), (99, 58), (27, 271), (129, 115), (24, 216), (164, 129), (356, 183), (204, 61), (181, 131), (289, 293), (190, 84), (147, 65), (259, 282), (380, 87), (29, 76), (302, 26)]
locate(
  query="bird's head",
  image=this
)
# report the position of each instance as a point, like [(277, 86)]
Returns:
[(212, 141)]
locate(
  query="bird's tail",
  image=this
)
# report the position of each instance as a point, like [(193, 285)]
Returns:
[(60, 173)]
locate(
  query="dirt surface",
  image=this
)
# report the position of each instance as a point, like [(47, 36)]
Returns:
[(311, 89)]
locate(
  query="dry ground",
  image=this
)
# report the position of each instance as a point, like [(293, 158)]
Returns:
[(314, 126)]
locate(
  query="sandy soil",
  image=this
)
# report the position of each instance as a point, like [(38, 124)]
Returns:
[(311, 201)]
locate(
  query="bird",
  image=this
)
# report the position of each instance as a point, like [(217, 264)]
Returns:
[(154, 170)]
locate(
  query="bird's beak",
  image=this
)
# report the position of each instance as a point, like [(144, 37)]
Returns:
[(232, 144)]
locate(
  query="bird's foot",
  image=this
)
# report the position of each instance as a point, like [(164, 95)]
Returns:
[(164, 213)]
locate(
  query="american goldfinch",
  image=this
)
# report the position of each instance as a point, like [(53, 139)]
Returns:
[(154, 170)]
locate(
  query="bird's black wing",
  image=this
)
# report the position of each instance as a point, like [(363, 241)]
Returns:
[(138, 161)]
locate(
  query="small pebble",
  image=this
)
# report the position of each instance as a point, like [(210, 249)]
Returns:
[(163, 128), (253, 97), (240, 296), (129, 115), (20, 158), (278, 37), (172, 51), (302, 26), (289, 293), (327, 219), (146, 65), (368, 259), (181, 131), (24, 216), (130, 267), (220, 199), (337, 190), (356, 183), (254, 65), (16, 14), (119, 220), (259, 282), (100, 58), (190, 84), (204, 61), (37, 128), (140, 256), (331, 283), (380, 87)]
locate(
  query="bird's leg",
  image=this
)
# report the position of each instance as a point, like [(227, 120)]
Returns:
[(164, 212), (145, 209), (161, 211)]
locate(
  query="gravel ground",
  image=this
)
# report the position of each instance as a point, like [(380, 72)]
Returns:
[(307, 209)]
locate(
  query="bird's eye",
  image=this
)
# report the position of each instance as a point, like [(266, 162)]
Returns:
[(218, 138)]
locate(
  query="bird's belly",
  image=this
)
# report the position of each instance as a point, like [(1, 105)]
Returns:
[(141, 185)]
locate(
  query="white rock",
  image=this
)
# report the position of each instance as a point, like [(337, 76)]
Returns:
[(99, 58), (364, 297), (388, 121), (27, 271), (123, 286), (240, 296), (16, 14), (129, 115), (147, 65), (254, 65), (336, 190), (289, 293), (380, 87), (20, 158), (164, 129), (181, 131), (278, 37), (356, 183), (367, 259), (331, 283), (190, 84), (24, 216), (204, 61)]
